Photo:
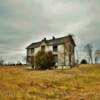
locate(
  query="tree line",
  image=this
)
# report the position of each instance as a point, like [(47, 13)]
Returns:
[(93, 56)]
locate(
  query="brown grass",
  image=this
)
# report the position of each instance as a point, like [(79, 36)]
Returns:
[(81, 83)]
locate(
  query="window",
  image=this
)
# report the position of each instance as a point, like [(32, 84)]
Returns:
[(55, 49), (43, 48), (29, 51), (56, 58), (32, 50), (28, 59)]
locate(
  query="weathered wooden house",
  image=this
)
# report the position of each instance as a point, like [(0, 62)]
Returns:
[(63, 50)]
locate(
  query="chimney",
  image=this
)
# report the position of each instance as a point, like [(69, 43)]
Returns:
[(53, 38), (44, 39), (70, 36)]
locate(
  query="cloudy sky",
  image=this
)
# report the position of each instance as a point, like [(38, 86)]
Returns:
[(26, 21)]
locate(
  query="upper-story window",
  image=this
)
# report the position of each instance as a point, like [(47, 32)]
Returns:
[(32, 50), (43, 48), (29, 51), (55, 48)]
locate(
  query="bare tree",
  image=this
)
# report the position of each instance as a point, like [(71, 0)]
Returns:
[(1, 62), (89, 50), (96, 59), (96, 55), (24, 59)]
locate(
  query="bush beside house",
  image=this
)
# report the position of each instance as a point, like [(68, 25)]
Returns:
[(44, 60)]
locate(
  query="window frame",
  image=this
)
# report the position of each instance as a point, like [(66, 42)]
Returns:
[(55, 48)]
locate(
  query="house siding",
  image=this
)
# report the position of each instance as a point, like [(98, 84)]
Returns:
[(62, 58), (36, 50)]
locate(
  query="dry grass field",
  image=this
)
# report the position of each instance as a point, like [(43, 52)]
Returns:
[(81, 83)]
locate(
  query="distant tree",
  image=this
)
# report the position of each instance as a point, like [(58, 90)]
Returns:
[(96, 56), (96, 59), (1, 62), (44, 60), (24, 58), (19, 63), (84, 61), (89, 49)]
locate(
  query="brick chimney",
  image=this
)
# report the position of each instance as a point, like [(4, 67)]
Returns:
[(53, 38), (44, 39)]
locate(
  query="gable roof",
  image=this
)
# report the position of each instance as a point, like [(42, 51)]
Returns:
[(53, 41)]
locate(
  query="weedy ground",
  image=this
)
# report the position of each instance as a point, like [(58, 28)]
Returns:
[(80, 83)]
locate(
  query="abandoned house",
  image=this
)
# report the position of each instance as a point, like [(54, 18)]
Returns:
[(63, 49)]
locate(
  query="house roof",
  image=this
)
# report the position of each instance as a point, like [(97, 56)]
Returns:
[(53, 41)]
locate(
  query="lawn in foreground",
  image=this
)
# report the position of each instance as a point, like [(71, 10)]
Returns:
[(81, 83)]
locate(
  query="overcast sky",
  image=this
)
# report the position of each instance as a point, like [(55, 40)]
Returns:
[(26, 21)]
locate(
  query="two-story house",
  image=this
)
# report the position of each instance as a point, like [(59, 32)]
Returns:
[(63, 49)]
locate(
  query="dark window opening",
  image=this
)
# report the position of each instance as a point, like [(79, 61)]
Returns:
[(32, 50), (29, 59), (56, 58), (43, 48), (55, 49)]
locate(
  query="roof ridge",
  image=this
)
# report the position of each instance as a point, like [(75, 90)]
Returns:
[(51, 41)]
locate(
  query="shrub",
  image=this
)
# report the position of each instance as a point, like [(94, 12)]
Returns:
[(44, 60), (84, 61)]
